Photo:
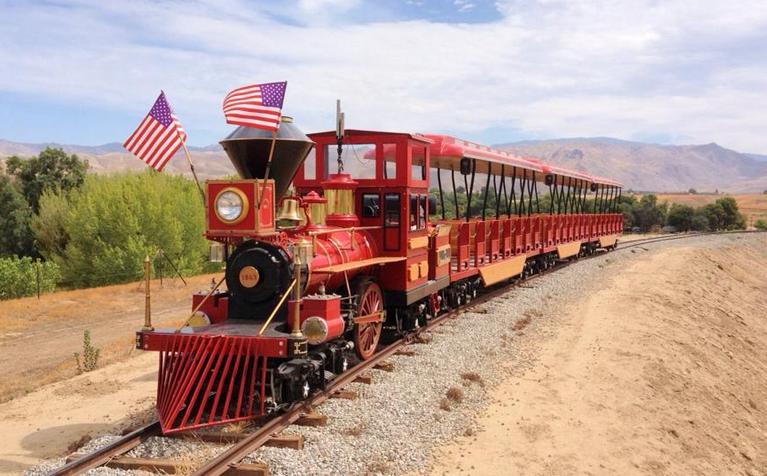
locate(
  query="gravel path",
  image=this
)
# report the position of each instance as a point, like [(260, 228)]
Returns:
[(395, 423)]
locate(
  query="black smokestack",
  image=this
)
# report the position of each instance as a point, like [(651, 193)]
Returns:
[(248, 149)]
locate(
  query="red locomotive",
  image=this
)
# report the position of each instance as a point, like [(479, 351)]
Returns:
[(356, 256)]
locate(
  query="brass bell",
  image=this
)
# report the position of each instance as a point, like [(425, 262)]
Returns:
[(289, 211)]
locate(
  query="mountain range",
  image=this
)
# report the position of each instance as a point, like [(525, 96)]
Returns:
[(640, 166)]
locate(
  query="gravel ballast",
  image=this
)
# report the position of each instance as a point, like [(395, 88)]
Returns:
[(395, 423)]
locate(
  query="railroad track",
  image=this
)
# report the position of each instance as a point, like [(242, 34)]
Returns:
[(228, 462)]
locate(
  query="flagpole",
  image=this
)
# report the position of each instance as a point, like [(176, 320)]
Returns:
[(191, 166), (266, 175)]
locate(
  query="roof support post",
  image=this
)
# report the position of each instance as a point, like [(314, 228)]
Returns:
[(497, 193), (487, 189), (470, 190), (522, 184), (552, 195), (513, 192), (455, 195), (441, 196)]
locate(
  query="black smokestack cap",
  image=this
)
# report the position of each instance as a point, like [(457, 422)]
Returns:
[(248, 149)]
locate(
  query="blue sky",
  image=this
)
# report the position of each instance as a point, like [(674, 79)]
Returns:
[(669, 71)]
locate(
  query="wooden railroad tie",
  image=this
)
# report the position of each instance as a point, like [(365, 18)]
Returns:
[(367, 379), (345, 394), (385, 366), (295, 442), (405, 352), (171, 466), (312, 419)]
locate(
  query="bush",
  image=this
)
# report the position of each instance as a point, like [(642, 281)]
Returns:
[(724, 215), (18, 276), (112, 222), (681, 217), (90, 355), (761, 224)]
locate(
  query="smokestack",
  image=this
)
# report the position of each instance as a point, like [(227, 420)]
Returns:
[(248, 149)]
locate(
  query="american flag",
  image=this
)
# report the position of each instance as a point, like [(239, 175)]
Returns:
[(158, 136), (257, 105)]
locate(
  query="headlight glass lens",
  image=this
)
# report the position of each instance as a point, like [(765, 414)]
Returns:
[(229, 206), (315, 329)]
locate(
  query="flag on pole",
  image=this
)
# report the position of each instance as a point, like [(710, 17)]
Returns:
[(256, 105), (158, 136)]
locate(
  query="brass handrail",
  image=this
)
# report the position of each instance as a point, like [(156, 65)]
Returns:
[(199, 305), (277, 307)]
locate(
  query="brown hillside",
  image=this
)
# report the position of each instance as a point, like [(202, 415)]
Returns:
[(652, 167)]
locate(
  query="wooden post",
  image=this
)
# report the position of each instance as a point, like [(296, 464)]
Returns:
[(147, 303)]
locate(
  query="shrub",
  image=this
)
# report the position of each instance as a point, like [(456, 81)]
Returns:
[(19, 276), (112, 222), (761, 224), (90, 355)]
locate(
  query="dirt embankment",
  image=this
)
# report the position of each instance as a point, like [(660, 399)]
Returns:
[(662, 371), (38, 337)]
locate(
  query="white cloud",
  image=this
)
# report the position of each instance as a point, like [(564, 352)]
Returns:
[(547, 68)]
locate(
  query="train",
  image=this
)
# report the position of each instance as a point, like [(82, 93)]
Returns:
[(337, 242)]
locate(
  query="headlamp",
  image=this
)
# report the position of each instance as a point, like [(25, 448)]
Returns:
[(231, 205)]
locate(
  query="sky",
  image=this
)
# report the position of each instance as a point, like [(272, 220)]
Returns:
[(666, 71)]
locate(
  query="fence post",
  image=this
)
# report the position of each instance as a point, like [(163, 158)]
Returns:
[(37, 269), (147, 309)]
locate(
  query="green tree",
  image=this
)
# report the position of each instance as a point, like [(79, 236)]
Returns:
[(627, 205), (51, 169), (680, 217), (724, 215), (15, 215), (699, 221), (649, 213), (49, 225), (113, 222)]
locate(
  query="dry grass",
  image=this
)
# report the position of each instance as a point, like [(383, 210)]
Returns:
[(379, 467), (76, 445), (472, 377), (236, 427), (445, 404), (355, 430), (455, 394), (521, 323), (189, 462)]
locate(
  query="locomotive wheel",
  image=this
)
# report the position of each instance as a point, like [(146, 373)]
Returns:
[(367, 334)]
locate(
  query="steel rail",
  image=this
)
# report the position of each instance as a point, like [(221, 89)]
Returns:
[(234, 454), (103, 455)]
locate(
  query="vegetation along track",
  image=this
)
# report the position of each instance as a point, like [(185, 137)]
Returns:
[(230, 458)]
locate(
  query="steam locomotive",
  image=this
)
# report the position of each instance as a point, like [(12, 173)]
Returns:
[(355, 257)]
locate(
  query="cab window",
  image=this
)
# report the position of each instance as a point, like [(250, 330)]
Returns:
[(371, 205), (392, 208), (422, 211), (418, 166)]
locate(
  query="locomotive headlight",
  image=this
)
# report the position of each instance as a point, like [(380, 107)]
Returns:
[(231, 205), (315, 329)]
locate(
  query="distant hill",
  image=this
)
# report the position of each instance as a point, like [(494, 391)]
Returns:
[(653, 167), (641, 166), (209, 162)]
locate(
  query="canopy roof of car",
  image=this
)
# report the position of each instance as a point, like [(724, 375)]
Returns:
[(447, 152)]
